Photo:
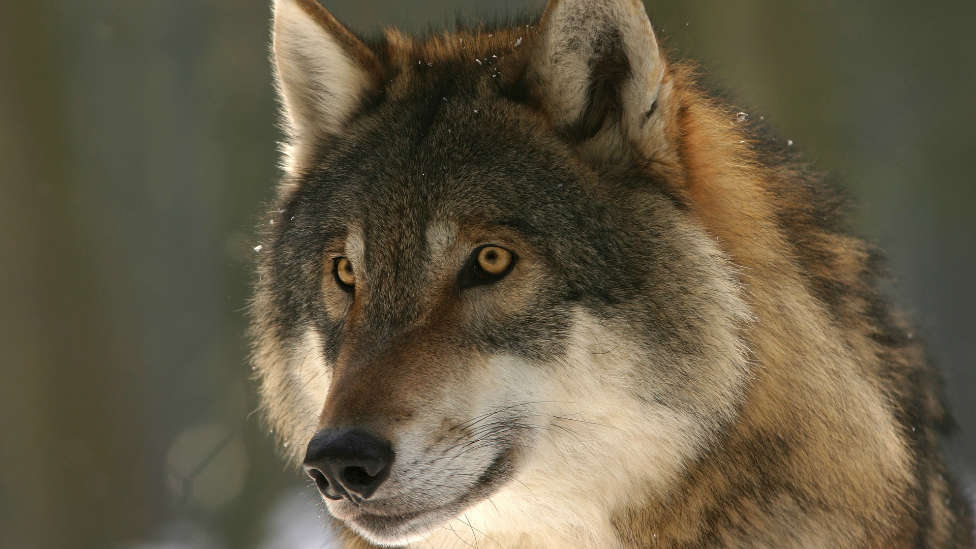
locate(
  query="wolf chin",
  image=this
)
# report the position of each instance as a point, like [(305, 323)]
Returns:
[(533, 287)]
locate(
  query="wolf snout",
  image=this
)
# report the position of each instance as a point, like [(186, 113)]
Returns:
[(348, 463)]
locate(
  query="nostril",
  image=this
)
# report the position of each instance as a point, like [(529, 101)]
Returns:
[(322, 483), (357, 477)]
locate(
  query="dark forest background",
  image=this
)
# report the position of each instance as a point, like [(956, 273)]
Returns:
[(138, 143)]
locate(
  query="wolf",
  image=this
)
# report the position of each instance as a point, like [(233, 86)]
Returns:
[(532, 285)]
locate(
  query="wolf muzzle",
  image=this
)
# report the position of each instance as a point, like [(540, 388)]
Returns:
[(348, 463)]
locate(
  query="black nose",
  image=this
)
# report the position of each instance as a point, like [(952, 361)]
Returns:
[(348, 462)]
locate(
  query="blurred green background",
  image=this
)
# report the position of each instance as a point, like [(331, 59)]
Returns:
[(138, 144)]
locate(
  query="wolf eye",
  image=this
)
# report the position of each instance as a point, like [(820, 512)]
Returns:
[(344, 274), (494, 260), (487, 264)]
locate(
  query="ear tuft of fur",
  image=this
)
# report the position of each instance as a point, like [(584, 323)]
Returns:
[(323, 70), (598, 65)]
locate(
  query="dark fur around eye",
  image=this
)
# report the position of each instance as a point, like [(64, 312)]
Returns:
[(473, 275)]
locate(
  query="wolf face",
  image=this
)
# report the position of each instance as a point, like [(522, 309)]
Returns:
[(489, 300)]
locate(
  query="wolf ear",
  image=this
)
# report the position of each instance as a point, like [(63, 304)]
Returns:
[(599, 66), (323, 70)]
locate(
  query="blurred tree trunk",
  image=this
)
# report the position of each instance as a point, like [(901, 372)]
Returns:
[(67, 473)]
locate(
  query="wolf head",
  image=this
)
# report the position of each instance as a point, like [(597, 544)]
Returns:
[(482, 295)]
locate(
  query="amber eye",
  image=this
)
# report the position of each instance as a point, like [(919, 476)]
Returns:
[(344, 274), (494, 260), (487, 264)]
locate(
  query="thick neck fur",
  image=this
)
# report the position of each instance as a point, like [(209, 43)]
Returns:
[(836, 444)]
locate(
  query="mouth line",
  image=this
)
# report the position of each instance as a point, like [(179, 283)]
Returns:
[(383, 520), (383, 524)]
